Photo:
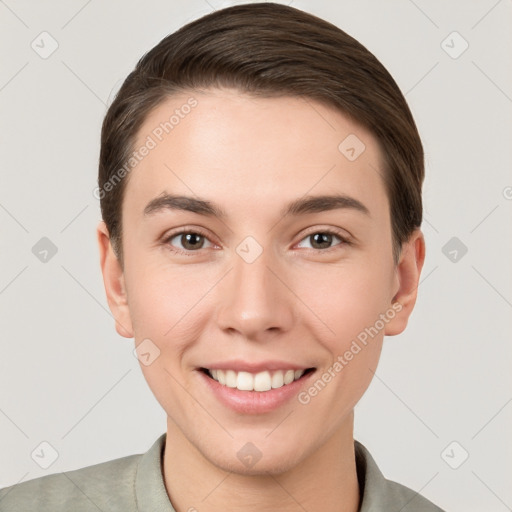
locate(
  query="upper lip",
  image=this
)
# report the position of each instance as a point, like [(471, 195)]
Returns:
[(254, 367)]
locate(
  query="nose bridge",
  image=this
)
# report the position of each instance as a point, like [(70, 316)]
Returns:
[(251, 278), (253, 299)]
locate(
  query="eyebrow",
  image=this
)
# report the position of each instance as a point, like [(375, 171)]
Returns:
[(301, 206)]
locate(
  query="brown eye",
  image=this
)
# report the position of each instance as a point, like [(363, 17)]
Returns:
[(322, 240), (186, 241), (191, 241)]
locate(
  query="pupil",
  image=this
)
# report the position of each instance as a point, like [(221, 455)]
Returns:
[(192, 236), (327, 238)]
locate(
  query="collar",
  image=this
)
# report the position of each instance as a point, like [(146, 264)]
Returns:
[(377, 493)]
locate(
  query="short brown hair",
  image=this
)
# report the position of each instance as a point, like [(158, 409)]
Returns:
[(269, 49)]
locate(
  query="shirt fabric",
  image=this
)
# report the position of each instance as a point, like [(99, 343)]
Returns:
[(135, 484)]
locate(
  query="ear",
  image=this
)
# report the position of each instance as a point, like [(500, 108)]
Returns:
[(407, 276), (113, 279)]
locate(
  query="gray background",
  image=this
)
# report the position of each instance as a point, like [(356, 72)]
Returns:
[(67, 378)]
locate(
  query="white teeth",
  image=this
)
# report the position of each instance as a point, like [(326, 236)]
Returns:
[(230, 378), (244, 381), (277, 380), (262, 381), (289, 376), (298, 374)]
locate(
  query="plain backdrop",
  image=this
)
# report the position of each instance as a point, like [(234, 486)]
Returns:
[(438, 414)]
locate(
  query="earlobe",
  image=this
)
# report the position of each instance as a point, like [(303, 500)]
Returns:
[(113, 280), (408, 271)]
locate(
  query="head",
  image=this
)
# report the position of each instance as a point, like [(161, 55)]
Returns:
[(252, 110)]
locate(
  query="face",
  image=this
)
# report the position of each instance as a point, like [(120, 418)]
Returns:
[(255, 275)]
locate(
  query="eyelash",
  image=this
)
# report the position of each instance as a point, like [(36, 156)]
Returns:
[(195, 231)]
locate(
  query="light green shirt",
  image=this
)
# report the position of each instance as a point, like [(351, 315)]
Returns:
[(135, 483)]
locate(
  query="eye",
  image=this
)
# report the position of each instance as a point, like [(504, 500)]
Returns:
[(321, 240), (191, 241), (194, 240)]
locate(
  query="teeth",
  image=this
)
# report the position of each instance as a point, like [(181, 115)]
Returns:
[(277, 380), (244, 381), (289, 376), (262, 381), (231, 378)]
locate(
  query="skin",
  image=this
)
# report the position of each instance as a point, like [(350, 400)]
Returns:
[(296, 302)]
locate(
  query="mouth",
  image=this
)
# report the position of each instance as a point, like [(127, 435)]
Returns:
[(258, 382)]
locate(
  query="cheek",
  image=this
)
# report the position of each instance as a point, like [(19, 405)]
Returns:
[(163, 299), (350, 306), (347, 301), (167, 307), (171, 306)]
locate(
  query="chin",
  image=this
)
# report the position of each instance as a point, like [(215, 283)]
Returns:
[(249, 460)]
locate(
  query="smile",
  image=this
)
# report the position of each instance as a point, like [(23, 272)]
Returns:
[(260, 382)]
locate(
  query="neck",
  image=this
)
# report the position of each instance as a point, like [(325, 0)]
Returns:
[(326, 480)]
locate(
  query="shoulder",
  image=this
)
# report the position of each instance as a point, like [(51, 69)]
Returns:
[(406, 500), (106, 486), (380, 494)]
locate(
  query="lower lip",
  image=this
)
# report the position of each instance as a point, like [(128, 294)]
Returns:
[(254, 402)]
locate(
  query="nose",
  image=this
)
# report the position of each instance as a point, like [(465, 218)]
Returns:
[(254, 299)]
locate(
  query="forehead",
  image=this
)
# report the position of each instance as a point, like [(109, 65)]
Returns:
[(245, 151)]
